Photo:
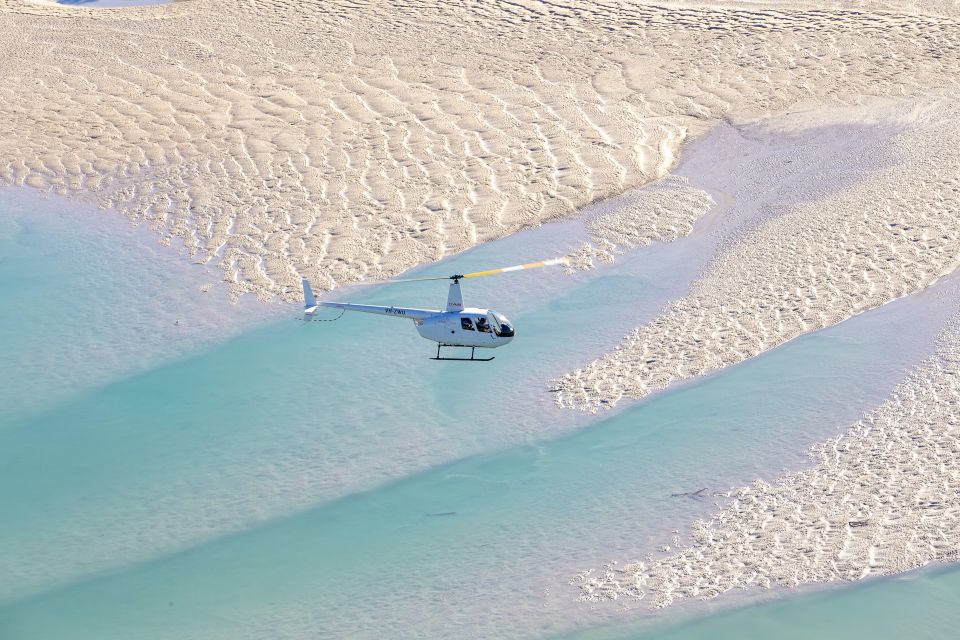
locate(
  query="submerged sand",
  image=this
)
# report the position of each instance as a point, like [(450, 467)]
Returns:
[(342, 141)]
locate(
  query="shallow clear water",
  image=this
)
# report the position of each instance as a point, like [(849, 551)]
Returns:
[(327, 479), (86, 298), (194, 499)]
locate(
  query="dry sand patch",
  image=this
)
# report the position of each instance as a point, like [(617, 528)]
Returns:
[(896, 230), (343, 141)]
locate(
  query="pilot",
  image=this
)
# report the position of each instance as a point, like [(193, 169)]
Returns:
[(482, 325)]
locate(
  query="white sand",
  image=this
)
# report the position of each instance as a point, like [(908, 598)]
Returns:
[(660, 212), (343, 141), (896, 230), (884, 498)]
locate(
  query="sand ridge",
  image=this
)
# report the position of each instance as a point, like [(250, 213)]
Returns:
[(664, 211), (661, 212), (882, 499), (344, 141), (893, 232)]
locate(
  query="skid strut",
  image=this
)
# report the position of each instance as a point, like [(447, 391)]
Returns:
[(470, 359)]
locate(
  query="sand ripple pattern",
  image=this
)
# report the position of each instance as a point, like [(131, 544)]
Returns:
[(343, 140), (884, 498), (896, 231), (661, 212)]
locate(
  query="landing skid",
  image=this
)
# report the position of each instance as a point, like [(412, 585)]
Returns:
[(470, 359)]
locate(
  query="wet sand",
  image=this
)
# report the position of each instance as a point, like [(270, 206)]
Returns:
[(881, 499), (879, 226)]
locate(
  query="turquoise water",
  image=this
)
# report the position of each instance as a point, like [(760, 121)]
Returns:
[(281, 419), (85, 299), (311, 480)]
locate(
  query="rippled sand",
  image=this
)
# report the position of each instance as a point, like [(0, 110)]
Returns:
[(884, 498), (894, 231), (340, 141)]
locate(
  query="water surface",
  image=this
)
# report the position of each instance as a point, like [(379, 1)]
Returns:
[(86, 298), (471, 547), (327, 479)]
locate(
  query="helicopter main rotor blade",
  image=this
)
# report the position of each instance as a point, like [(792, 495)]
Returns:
[(377, 282), (519, 267), (475, 274)]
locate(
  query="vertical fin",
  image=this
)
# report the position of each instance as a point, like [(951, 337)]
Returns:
[(455, 298), (309, 300)]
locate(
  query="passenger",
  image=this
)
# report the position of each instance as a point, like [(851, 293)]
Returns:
[(482, 325)]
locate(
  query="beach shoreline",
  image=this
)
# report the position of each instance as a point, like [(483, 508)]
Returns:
[(280, 151), (808, 151)]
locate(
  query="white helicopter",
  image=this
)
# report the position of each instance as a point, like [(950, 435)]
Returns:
[(457, 326)]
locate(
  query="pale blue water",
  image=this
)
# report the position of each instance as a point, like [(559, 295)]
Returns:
[(217, 496), (84, 297)]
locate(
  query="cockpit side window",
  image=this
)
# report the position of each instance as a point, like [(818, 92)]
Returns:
[(482, 325), (467, 324)]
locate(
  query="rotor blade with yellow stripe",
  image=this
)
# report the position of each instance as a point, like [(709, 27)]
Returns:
[(519, 267), (476, 274)]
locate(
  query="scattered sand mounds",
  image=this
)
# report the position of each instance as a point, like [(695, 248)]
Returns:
[(661, 212), (884, 498), (895, 231), (341, 140)]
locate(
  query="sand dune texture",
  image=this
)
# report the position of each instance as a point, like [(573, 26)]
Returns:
[(345, 140), (663, 211), (884, 498), (896, 230)]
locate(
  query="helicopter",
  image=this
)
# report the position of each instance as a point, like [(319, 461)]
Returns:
[(456, 326)]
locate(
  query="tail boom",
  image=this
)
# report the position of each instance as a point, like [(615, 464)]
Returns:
[(396, 312)]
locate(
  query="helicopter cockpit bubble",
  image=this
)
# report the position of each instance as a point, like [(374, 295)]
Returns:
[(502, 326)]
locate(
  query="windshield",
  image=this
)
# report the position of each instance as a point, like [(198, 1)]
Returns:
[(503, 326)]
